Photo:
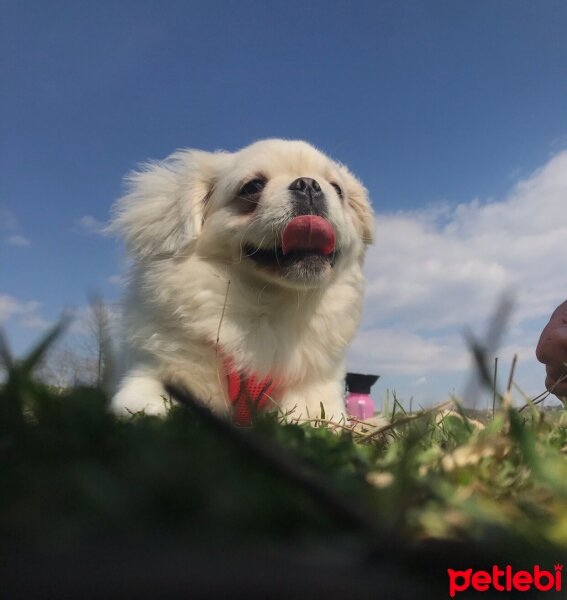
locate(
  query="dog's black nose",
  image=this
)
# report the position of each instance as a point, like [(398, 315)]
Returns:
[(305, 185), (308, 197)]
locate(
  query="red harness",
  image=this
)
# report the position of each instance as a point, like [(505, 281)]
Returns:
[(247, 393)]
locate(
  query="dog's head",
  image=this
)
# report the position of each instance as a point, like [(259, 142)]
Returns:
[(280, 209)]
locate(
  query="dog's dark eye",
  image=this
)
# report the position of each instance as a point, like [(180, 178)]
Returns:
[(338, 189), (249, 194), (253, 187)]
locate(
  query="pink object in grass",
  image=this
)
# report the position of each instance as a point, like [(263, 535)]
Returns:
[(359, 403), (360, 406)]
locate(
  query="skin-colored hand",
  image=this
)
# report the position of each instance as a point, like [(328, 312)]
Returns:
[(552, 351)]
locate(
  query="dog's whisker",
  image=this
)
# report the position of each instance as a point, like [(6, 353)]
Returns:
[(261, 292), (258, 248), (243, 235)]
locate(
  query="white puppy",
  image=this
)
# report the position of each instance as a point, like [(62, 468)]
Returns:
[(246, 282)]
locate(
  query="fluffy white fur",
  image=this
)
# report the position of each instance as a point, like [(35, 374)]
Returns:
[(194, 295)]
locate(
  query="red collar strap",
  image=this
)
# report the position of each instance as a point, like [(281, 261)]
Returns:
[(247, 393)]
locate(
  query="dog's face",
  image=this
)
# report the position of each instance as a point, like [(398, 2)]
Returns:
[(281, 210)]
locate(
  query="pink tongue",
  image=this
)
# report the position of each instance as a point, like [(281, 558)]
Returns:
[(309, 232)]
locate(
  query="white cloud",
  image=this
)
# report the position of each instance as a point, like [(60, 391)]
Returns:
[(434, 272), (401, 352), (18, 240), (91, 225), (24, 312), (9, 229)]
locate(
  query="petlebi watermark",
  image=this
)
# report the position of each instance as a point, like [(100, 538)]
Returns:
[(505, 579)]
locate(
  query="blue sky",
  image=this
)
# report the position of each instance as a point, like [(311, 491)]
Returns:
[(432, 103)]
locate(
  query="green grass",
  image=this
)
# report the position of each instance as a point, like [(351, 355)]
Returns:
[(71, 472)]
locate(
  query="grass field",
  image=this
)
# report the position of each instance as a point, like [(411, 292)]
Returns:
[(346, 506)]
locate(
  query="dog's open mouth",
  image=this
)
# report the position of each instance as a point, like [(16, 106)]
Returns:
[(307, 241), (275, 258)]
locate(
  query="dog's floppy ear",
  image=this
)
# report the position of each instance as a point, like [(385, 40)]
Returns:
[(357, 197), (164, 205)]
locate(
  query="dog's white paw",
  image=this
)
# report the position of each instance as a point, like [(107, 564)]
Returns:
[(140, 393)]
